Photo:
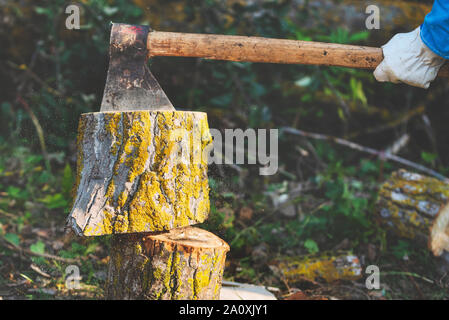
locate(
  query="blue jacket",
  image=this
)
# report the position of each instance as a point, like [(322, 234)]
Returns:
[(435, 29)]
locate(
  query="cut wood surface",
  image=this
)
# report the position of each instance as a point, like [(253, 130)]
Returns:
[(140, 171), (327, 266), (416, 206), (258, 49), (184, 263)]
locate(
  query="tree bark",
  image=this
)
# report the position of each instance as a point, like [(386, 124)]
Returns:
[(415, 206), (140, 171), (184, 263)]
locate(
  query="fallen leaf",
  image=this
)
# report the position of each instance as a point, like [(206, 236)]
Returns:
[(246, 213)]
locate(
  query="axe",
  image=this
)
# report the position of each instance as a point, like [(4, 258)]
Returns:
[(130, 85)]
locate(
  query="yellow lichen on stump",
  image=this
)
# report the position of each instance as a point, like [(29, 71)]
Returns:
[(140, 171), (184, 263), (327, 266), (415, 206)]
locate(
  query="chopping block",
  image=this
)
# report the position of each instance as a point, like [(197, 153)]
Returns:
[(142, 178)]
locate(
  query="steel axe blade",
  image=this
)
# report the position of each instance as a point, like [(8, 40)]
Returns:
[(129, 83)]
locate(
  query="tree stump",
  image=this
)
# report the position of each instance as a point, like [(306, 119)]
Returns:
[(140, 171), (415, 206), (184, 263)]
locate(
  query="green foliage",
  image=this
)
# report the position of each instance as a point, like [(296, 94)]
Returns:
[(67, 181), (246, 270), (357, 91), (428, 157), (39, 248), (54, 201), (17, 193), (346, 202), (348, 208), (401, 249), (79, 250), (343, 36)]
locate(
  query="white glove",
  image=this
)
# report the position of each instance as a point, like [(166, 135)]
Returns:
[(407, 59)]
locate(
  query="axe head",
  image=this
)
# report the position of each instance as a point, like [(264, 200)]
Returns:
[(129, 83)]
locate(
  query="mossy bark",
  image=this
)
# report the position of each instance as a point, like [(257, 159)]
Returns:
[(184, 263), (327, 266), (415, 206), (140, 171)]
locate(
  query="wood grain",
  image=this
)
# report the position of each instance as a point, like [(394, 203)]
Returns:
[(266, 50)]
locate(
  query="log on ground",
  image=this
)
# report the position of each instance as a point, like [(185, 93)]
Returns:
[(184, 263), (327, 266), (415, 206), (140, 171)]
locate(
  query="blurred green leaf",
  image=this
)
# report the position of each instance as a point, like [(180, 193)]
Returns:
[(428, 157), (12, 238), (38, 247), (44, 11), (311, 246), (357, 90), (358, 36), (367, 166)]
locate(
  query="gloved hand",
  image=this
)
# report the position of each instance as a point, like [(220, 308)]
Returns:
[(407, 59)]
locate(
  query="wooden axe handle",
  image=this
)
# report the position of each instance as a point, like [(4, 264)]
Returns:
[(257, 49)]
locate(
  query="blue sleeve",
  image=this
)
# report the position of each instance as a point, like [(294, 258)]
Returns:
[(435, 29)]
